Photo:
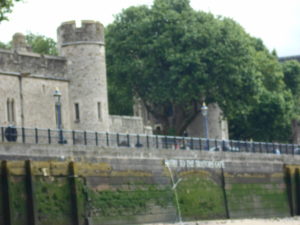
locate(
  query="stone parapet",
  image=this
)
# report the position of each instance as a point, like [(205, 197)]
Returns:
[(32, 63)]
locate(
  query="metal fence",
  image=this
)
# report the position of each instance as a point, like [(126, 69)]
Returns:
[(76, 137)]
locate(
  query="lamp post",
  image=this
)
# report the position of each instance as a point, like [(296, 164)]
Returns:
[(204, 111), (57, 97)]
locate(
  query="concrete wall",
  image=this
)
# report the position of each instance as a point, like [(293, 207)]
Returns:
[(134, 186)]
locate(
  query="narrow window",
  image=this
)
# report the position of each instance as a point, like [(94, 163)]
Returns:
[(8, 110), (77, 115), (99, 111), (12, 111)]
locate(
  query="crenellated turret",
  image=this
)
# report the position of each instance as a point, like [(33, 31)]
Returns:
[(84, 50)]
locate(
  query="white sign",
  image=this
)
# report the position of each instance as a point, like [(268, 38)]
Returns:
[(194, 163)]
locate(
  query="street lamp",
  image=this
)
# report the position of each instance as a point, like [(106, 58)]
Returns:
[(57, 97), (204, 111)]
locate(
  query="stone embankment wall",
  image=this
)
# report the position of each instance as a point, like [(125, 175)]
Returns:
[(47, 185)]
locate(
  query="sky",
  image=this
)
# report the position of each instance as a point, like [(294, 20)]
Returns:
[(276, 22)]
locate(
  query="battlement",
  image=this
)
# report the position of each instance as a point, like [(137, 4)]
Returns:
[(13, 61), (90, 32)]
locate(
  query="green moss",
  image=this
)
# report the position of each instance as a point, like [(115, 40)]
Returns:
[(81, 198), (200, 198), (260, 200), (129, 202), (53, 200), (18, 199)]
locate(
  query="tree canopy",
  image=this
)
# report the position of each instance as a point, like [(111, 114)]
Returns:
[(173, 58), (6, 8), (41, 44)]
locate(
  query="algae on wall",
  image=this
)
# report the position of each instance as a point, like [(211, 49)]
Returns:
[(256, 197), (200, 197)]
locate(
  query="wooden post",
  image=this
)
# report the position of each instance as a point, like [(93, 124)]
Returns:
[(224, 193), (74, 200), (7, 205), (31, 203)]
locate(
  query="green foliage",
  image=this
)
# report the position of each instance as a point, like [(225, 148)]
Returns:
[(41, 44), (173, 57), (5, 46), (291, 70), (6, 7)]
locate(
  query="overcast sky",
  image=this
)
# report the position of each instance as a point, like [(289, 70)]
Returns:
[(276, 22)]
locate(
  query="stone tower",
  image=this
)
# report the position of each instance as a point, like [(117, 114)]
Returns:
[(83, 47)]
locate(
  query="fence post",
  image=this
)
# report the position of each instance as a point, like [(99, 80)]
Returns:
[(207, 144), (200, 144), (192, 144), (138, 140), (2, 134), (107, 139), (23, 135), (96, 138), (36, 135), (73, 137), (223, 145), (166, 142), (156, 140), (85, 138), (147, 138), (128, 140), (49, 136), (118, 139)]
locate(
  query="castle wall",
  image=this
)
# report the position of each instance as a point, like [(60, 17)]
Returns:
[(38, 101), (128, 124), (9, 89), (35, 64), (217, 127)]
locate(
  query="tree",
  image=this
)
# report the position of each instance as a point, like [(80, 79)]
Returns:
[(173, 58), (41, 44), (6, 7), (4, 46), (291, 70)]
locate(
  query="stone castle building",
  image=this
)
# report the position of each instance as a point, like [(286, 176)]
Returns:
[(28, 81)]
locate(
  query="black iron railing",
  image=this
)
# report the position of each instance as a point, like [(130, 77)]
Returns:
[(76, 137)]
